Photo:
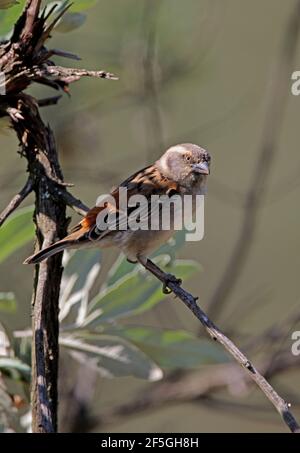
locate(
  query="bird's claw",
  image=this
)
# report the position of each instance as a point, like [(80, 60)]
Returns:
[(169, 278)]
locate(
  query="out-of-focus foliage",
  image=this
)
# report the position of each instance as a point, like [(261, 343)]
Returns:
[(7, 302), (211, 74), (14, 379), (9, 16), (92, 329), (11, 9), (73, 18), (16, 232), (171, 348), (5, 4), (14, 369)]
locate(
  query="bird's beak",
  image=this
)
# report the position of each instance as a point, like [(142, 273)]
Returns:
[(201, 168)]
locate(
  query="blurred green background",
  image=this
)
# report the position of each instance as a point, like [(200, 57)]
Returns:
[(195, 71)]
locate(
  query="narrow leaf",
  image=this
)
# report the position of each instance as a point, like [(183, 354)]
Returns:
[(119, 269), (8, 17), (8, 302), (134, 293), (112, 356), (172, 348), (70, 21), (16, 232), (5, 4), (14, 368), (81, 270)]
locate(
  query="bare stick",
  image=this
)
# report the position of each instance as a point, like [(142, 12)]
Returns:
[(16, 201), (72, 74), (216, 334)]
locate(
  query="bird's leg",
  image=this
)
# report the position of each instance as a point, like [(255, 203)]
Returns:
[(131, 261), (164, 277)]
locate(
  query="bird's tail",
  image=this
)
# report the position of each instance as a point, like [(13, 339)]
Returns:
[(49, 251)]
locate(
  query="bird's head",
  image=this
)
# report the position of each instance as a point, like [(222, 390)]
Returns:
[(186, 164)]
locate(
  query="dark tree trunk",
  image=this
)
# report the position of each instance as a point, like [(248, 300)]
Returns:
[(24, 60)]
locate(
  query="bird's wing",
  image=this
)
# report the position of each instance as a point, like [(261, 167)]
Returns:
[(148, 181)]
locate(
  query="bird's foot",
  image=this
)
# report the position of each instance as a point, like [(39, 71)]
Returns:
[(169, 278)]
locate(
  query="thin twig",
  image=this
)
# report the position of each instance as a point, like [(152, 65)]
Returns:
[(70, 200), (16, 201), (190, 301), (72, 74), (53, 100)]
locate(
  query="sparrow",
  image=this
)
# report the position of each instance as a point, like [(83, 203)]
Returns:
[(182, 170)]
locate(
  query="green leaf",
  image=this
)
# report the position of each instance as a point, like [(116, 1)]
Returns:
[(111, 356), (80, 264), (16, 232), (119, 269), (5, 4), (9, 17), (173, 244), (172, 348), (183, 269), (8, 302), (74, 17), (6, 410), (70, 21), (82, 5), (79, 276), (15, 369), (121, 266), (134, 293)]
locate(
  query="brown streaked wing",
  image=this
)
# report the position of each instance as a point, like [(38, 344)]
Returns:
[(147, 182)]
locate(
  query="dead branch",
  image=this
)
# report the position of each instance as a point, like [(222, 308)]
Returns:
[(216, 334), (69, 199), (70, 75), (24, 60), (16, 201)]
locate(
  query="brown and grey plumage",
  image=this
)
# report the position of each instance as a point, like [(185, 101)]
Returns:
[(182, 169)]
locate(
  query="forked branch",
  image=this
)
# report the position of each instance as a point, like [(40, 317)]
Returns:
[(24, 59), (16, 201)]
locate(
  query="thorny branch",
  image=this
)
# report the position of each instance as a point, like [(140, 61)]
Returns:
[(24, 59), (16, 201)]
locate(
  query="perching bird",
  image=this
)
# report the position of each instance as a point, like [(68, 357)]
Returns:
[(182, 170)]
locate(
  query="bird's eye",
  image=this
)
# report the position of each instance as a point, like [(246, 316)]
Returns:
[(188, 158)]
